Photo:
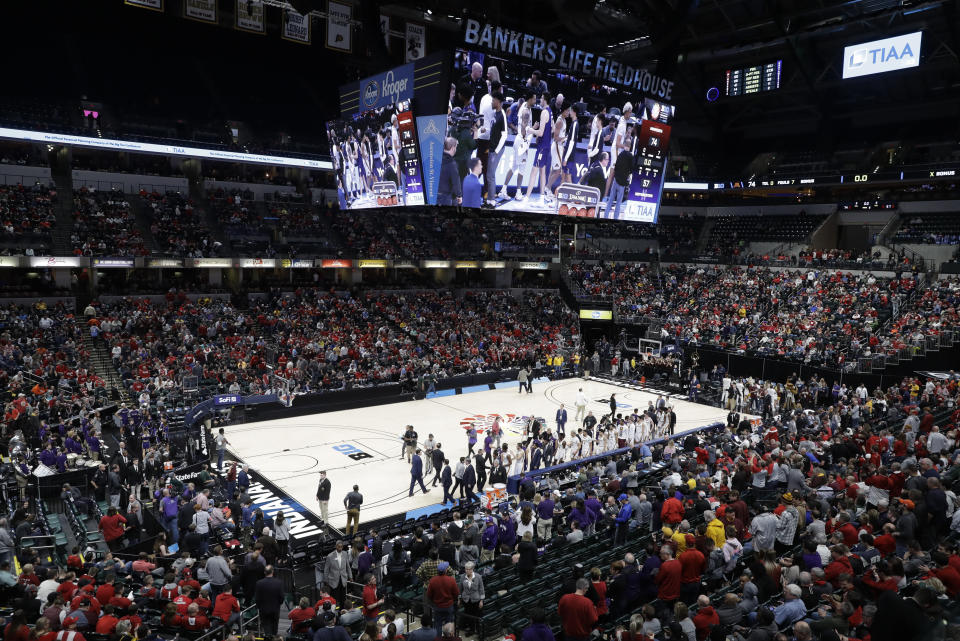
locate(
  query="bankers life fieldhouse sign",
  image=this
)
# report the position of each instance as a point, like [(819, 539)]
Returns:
[(571, 59)]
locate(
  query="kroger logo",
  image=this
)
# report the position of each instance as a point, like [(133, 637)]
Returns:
[(371, 93)]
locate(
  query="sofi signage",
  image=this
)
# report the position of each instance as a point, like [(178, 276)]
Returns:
[(879, 56)]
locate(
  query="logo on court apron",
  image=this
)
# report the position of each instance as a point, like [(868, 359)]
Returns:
[(509, 423)]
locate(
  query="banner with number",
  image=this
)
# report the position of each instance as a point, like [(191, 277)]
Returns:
[(202, 10), (296, 27), (153, 5), (416, 41), (339, 29), (250, 16), (385, 30)]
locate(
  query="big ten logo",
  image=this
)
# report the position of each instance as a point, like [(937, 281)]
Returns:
[(352, 451)]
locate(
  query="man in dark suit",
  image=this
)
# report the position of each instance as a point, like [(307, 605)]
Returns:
[(596, 176), (390, 172), (469, 480), (479, 463), (447, 480), (438, 461), (416, 473), (536, 458), (269, 598)]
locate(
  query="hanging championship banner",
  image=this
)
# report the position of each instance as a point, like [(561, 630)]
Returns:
[(416, 41), (250, 16), (202, 10), (339, 30), (385, 30), (153, 5), (296, 27)]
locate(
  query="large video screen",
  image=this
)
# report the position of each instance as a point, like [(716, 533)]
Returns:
[(376, 158), (540, 141)]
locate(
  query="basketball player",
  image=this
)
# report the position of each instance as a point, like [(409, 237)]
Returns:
[(486, 126), (521, 145), (380, 162), (558, 146), (620, 141), (541, 161), (568, 161), (498, 142), (366, 154), (395, 138)]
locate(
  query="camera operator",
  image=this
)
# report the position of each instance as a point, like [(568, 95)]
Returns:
[(465, 129)]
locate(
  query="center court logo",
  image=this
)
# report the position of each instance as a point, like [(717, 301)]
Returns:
[(509, 423)]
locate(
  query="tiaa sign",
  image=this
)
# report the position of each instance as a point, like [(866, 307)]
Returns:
[(889, 54)]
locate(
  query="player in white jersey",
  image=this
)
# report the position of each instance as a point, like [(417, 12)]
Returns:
[(568, 161), (620, 140), (395, 138), (521, 146), (559, 146)]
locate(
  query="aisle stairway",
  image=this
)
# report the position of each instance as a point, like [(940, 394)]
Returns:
[(63, 180), (102, 365)]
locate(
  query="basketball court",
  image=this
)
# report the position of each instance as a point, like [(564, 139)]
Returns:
[(363, 446)]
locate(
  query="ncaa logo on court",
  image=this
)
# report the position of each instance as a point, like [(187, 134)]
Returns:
[(371, 93), (509, 423)]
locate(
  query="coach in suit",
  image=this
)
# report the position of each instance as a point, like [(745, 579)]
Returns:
[(561, 421), (416, 472), (438, 462), (447, 479), (469, 480), (269, 598)]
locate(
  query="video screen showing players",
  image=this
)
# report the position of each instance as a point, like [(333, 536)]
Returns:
[(524, 139), (377, 159)]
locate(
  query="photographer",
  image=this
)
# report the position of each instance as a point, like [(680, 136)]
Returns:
[(465, 130)]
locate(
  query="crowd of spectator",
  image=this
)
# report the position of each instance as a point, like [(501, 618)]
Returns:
[(826, 318), (104, 225), (835, 514), (177, 227), (929, 229), (28, 217), (323, 341)]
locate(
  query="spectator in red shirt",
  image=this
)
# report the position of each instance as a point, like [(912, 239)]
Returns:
[(107, 623), (371, 602), (170, 618), (577, 613), (945, 572), (672, 511), (17, 629), (442, 593), (669, 577), (839, 565), (106, 591), (112, 527), (845, 527), (705, 618), (226, 607), (301, 616), (194, 621), (886, 542), (692, 563)]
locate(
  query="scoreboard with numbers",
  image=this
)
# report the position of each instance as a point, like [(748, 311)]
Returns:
[(751, 80)]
